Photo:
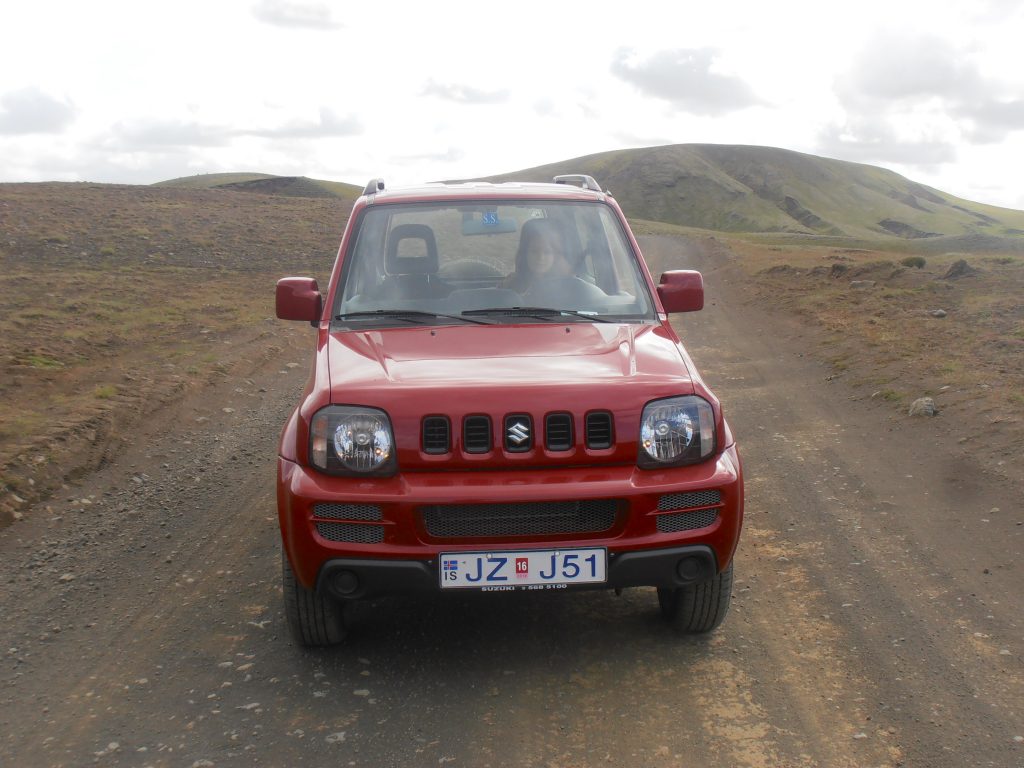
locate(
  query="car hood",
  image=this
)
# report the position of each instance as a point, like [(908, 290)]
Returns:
[(509, 371), (527, 356)]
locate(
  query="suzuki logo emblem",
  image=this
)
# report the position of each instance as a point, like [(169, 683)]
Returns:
[(519, 433)]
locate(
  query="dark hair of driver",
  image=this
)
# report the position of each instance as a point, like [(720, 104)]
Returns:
[(532, 229)]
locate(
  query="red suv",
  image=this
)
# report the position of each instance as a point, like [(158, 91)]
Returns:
[(498, 402)]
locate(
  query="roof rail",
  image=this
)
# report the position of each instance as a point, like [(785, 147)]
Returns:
[(373, 186), (587, 182)]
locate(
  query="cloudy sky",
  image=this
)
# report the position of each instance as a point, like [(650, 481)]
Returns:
[(137, 92)]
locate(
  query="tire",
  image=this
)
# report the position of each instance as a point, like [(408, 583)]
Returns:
[(697, 608), (313, 620)]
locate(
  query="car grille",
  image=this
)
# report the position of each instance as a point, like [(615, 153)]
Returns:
[(692, 520), (517, 432), (436, 435), (599, 429), (689, 500), (348, 511), (686, 521), (351, 533), (476, 434), (451, 521), (558, 431)]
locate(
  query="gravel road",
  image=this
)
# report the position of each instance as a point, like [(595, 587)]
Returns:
[(876, 613)]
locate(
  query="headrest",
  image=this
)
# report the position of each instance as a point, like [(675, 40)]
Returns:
[(411, 258)]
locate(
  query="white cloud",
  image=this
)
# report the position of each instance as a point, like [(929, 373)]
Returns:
[(287, 13), (350, 91), (29, 110), (876, 141), (686, 78), (329, 124), (896, 75), (464, 94)]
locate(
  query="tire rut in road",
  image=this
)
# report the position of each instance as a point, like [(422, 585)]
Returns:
[(861, 593)]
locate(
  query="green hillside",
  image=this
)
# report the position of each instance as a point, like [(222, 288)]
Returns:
[(765, 190), (263, 183)]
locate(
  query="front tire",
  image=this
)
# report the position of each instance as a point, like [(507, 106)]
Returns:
[(697, 608), (314, 620)]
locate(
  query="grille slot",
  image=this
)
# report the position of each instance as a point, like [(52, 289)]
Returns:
[(558, 431), (436, 434), (689, 500), (518, 433), (686, 521), (599, 429), (476, 434), (452, 521), (348, 511), (351, 533)]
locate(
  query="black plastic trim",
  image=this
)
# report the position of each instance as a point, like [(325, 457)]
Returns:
[(647, 568)]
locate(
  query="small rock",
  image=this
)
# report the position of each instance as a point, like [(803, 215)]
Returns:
[(228, 410), (923, 406), (67, 577), (860, 735), (862, 284), (291, 365), (938, 313), (335, 738), (959, 268)]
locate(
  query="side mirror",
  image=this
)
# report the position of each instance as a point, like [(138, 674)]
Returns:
[(681, 290), (298, 298)]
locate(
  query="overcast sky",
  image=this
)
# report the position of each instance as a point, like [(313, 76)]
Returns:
[(137, 92)]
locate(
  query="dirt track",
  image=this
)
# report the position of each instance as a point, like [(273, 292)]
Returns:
[(876, 614)]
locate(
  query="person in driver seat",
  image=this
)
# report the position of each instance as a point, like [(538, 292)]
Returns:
[(542, 255)]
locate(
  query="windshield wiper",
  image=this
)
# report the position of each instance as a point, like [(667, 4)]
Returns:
[(543, 313), (417, 316)]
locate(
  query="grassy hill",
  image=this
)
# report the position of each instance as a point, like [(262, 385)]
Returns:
[(267, 184), (747, 189), (775, 194)]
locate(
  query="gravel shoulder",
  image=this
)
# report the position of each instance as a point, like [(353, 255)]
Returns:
[(876, 613)]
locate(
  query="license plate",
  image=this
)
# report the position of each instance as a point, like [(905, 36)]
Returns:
[(531, 569)]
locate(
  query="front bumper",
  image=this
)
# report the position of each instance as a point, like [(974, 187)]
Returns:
[(350, 579), (403, 556)]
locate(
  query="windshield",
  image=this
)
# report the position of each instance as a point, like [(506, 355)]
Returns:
[(431, 263)]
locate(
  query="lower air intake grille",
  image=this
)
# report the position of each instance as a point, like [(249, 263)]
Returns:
[(689, 500), (449, 521), (686, 521), (351, 533), (348, 511)]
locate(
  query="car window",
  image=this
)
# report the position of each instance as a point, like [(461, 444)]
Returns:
[(472, 257)]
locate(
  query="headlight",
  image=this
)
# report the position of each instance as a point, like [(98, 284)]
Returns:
[(677, 430), (345, 439)]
